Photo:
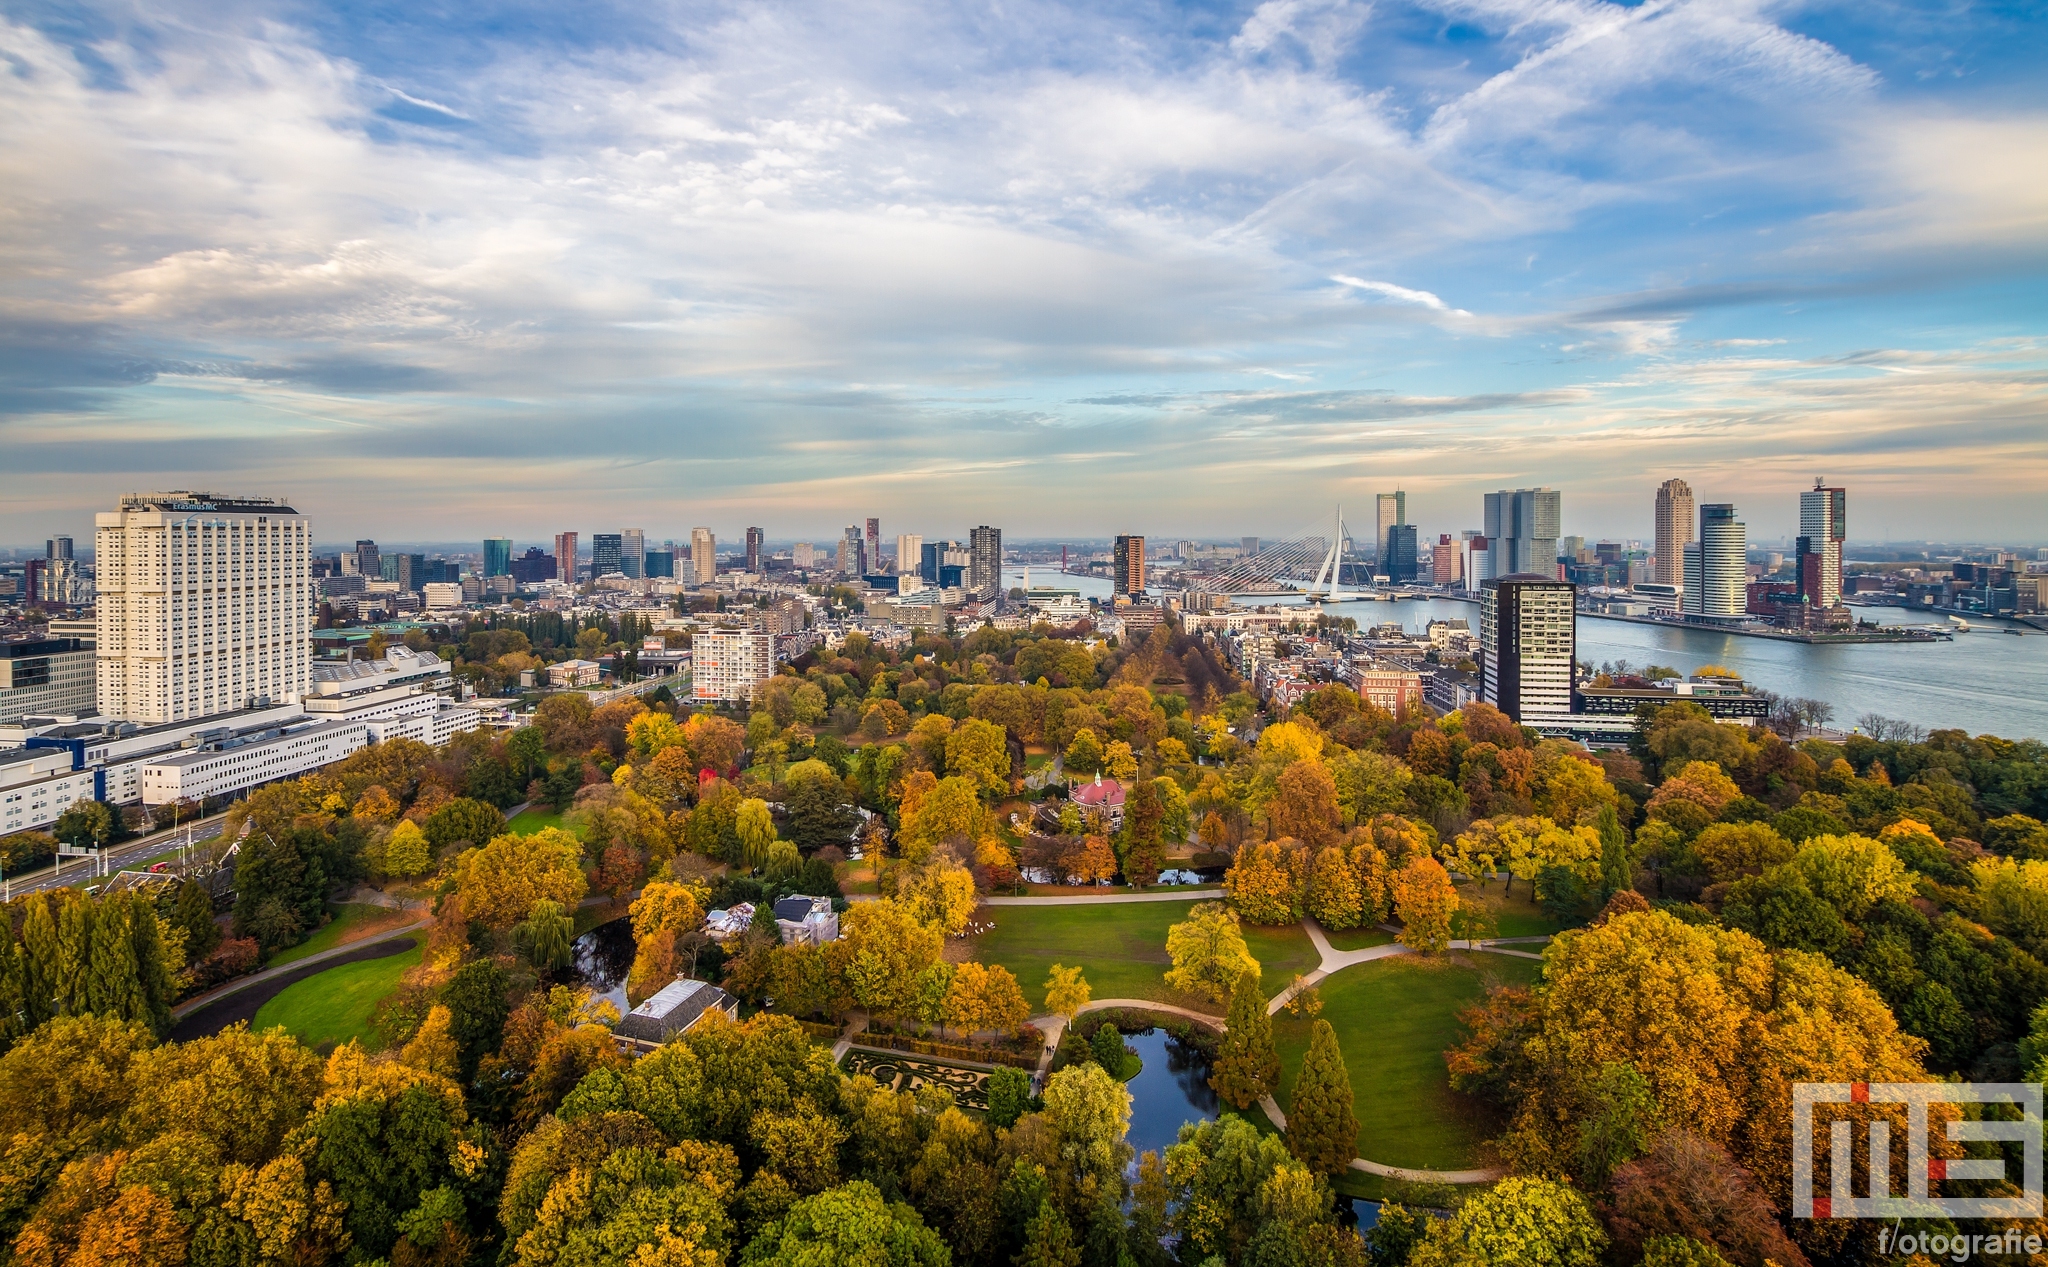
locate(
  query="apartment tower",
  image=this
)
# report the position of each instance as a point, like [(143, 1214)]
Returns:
[(754, 539), (1674, 531), (703, 555), (1823, 523), (565, 557), (1717, 567), (985, 562), (1528, 627), (205, 605), (1129, 563)]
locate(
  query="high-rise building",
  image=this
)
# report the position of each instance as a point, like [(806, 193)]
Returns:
[(497, 557), (57, 548), (1521, 531), (205, 604), (565, 557), (802, 557), (1528, 627), (1674, 531), (874, 545), (730, 664), (703, 555), (1247, 546), (985, 570), (1398, 558), (607, 554), (407, 571), (45, 676), (1823, 523), (853, 551), (1717, 567), (754, 539), (909, 554), (1393, 511), (1129, 576), (633, 553), (660, 563), (1479, 562), (368, 561), (1447, 561), (929, 557), (533, 567)]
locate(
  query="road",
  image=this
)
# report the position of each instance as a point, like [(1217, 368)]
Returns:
[(126, 854)]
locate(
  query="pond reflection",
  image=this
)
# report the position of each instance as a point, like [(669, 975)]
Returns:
[(603, 957)]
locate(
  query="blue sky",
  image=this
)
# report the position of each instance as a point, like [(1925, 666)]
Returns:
[(441, 270)]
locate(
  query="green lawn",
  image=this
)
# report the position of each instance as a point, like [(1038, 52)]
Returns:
[(1394, 1018), (1122, 948), (348, 925), (529, 821), (1360, 938), (336, 1005), (1516, 915)]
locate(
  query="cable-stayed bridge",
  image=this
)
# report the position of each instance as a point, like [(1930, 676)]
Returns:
[(1310, 562)]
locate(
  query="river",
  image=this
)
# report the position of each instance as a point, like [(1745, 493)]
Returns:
[(1985, 681)]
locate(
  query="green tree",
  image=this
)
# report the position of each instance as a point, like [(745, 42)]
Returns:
[(754, 826), (1525, 1221), (476, 1000), (1049, 1240), (462, 821), (847, 1226), (1618, 1124), (1089, 1112), (1614, 865), (546, 934), (193, 912), (406, 853), (1321, 1128), (86, 825), (1009, 1095), (1247, 1065), (1208, 952), (1144, 850), (1084, 753)]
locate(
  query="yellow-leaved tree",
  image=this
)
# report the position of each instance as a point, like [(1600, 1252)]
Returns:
[(1208, 952), (498, 883)]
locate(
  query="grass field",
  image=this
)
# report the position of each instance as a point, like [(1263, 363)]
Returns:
[(1394, 1018), (1122, 948), (1360, 938), (336, 1005), (1516, 915), (351, 922), (529, 821)]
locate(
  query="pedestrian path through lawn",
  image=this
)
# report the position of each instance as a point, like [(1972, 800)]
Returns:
[(1121, 947)]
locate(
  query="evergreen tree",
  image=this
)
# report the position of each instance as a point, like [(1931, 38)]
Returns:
[(1321, 1129), (74, 955), (1248, 1066), (477, 1008), (1049, 1240), (113, 987), (39, 944), (14, 1009), (193, 912), (1009, 1095), (154, 974), (1614, 869)]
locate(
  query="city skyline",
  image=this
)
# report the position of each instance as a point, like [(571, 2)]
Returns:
[(1075, 269)]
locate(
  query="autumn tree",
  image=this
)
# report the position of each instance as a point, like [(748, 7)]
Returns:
[(1261, 887), (1066, 991), (847, 1224), (1084, 753), (983, 997), (1522, 1220), (979, 751), (1208, 952), (1321, 1128), (1247, 1065), (1332, 895), (1144, 851), (952, 809), (1306, 805), (1424, 902), (882, 951), (663, 914), (499, 883)]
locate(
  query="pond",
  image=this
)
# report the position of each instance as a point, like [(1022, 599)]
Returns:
[(603, 957), (1172, 1089)]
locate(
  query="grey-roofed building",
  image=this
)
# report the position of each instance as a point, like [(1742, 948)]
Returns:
[(671, 1010), (806, 920)]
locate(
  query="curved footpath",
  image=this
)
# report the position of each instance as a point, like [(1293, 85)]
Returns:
[(1332, 960), (239, 999)]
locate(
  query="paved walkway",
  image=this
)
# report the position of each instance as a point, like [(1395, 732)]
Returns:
[(240, 984), (1485, 1175)]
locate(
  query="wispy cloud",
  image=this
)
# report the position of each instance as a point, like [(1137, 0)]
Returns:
[(802, 262)]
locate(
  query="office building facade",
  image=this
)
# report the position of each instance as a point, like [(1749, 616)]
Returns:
[(607, 554), (46, 677), (1128, 561), (633, 553), (985, 566), (1528, 630), (205, 604), (1398, 556), (703, 555), (872, 559), (1716, 584), (1674, 531), (497, 557), (565, 557), (1391, 511), (755, 539), (1447, 561), (1521, 531), (909, 554)]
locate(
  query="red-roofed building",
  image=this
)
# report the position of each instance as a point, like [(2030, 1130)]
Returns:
[(1104, 795)]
